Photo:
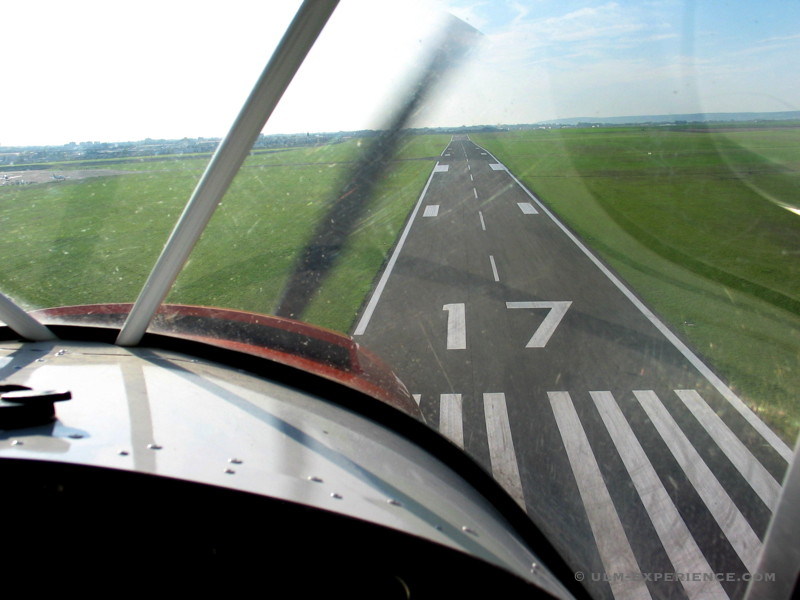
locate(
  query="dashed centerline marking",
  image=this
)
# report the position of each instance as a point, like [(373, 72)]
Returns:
[(432, 210), (494, 268), (527, 208), (474, 191), (483, 223)]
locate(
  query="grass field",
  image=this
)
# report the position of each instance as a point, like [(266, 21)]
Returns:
[(95, 240), (697, 224)]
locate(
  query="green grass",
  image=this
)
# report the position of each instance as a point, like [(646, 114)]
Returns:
[(693, 222), (95, 240)]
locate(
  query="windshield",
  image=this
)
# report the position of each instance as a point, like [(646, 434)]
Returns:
[(571, 228)]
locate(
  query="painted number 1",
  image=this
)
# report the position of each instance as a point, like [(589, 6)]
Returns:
[(456, 326)]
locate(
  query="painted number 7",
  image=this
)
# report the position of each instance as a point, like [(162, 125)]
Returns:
[(542, 335)]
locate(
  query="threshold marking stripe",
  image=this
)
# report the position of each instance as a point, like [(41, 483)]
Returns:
[(450, 419), (432, 210), (733, 524), (483, 223), (501, 447), (494, 268), (612, 543), (441, 168), (680, 546), (376, 295), (527, 208), (777, 443), (761, 480), (497, 167)]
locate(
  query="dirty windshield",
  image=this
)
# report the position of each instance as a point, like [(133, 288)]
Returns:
[(572, 229)]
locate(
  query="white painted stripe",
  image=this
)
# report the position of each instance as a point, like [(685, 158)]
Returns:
[(441, 168), (757, 424), (612, 543), (483, 153), (417, 398), (432, 210), (471, 178), (501, 447), (376, 295), (680, 546), (483, 223), (527, 208), (494, 268), (456, 326), (762, 482), (450, 419), (474, 191), (497, 167), (725, 513)]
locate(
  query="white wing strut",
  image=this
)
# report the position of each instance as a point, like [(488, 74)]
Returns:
[(287, 58), (21, 322)]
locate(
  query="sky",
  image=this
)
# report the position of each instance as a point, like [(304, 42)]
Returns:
[(90, 70)]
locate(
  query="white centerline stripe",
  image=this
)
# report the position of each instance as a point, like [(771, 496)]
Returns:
[(725, 513), (501, 446), (376, 295), (450, 420), (762, 482), (494, 268), (474, 191), (680, 546), (527, 208), (432, 210), (483, 223), (777, 443), (471, 178), (612, 543)]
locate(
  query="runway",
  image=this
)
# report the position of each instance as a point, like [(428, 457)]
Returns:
[(526, 350)]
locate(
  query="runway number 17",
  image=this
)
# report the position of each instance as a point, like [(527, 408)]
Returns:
[(457, 322)]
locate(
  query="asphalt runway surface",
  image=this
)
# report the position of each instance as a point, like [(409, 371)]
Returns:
[(527, 351)]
